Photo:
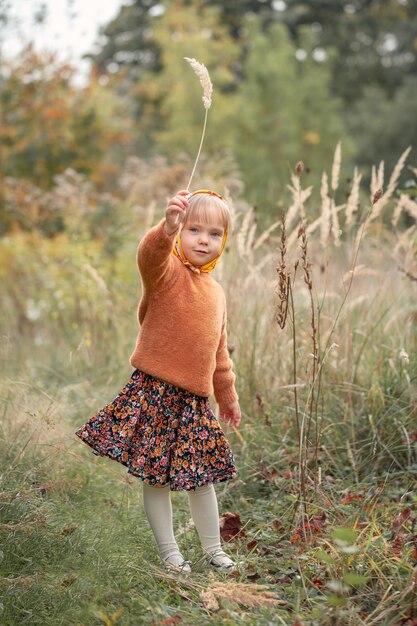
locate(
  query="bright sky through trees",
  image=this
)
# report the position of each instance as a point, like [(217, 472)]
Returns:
[(69, 27)]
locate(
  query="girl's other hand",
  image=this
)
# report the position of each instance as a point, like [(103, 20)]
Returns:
[(230, 413), (174, 213)]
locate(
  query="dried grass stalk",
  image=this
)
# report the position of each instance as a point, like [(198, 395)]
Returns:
[(299, 194), (283, 278), (265, 235), (251, 238), (353, 199), (398, 210), (325, 211), (377, 178), (379, 204), (207, 86), (298, 201), (248, 594), (337, 160), (243, 233), (335, 222)]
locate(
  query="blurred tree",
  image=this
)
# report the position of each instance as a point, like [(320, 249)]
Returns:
[(284, 113), (48, 125), (128, 39), (376, 40), (165, 105), (194, 32), (384, 127)]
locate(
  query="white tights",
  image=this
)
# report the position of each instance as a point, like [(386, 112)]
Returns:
[(204, 511)]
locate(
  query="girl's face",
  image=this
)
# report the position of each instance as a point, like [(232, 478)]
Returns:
[(202, 241)]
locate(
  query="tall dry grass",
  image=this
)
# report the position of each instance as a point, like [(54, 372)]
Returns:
[(322, 331)]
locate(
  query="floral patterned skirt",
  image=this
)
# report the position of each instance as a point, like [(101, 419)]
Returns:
[(163, 434)]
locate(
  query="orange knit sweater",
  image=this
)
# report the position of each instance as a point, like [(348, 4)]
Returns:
[(182, 315)]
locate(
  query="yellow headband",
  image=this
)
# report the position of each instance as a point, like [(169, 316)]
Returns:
[(178, 251)]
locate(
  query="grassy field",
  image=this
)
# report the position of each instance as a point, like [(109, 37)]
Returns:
[(323, 511)]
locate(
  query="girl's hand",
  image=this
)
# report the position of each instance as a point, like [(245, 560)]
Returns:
[(174, 213), (230, 413)]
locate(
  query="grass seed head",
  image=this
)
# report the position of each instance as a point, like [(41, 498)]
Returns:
[(204, 78)]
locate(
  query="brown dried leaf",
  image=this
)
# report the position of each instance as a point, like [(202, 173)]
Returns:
[(231, 526)]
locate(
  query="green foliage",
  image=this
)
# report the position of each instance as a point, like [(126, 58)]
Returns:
[(285, 113), (194, 33), (384, 127), (375, 41), (68, 325), (47, 125)]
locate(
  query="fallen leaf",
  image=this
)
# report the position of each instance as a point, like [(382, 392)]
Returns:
[(231, 526)]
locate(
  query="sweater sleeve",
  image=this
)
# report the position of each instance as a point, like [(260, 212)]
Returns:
[(223, 377), (154, 254)]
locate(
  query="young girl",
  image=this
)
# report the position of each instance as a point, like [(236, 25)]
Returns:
[(161, 425)]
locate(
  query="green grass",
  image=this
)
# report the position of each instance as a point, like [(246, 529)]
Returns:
[(77, 548)]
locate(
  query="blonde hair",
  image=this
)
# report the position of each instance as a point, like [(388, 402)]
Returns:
[(201, 206)]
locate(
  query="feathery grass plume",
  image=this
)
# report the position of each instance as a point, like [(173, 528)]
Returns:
[(296, 190), (299, 196), (265, 235), (380, 175), (374, 185), (368, 218), (335, 222), (413, 169), (336, 166), (243, 233), (382, 201), (353, 199), (248, 594), (398, 210), (377, 179), (250, 239), (207, 86), (283, 279), (325, 211)]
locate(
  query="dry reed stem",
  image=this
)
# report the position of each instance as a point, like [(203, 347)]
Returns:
[(243, 233), (299, 195), (352, 204), (204, 77), (264, 236), (335, 230), (336, 166), (248, 594), (283, 279), (398, 210), (381, 202), (325, 211)]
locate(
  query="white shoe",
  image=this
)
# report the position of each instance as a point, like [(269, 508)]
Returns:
[(220, 561), (179, 566)]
